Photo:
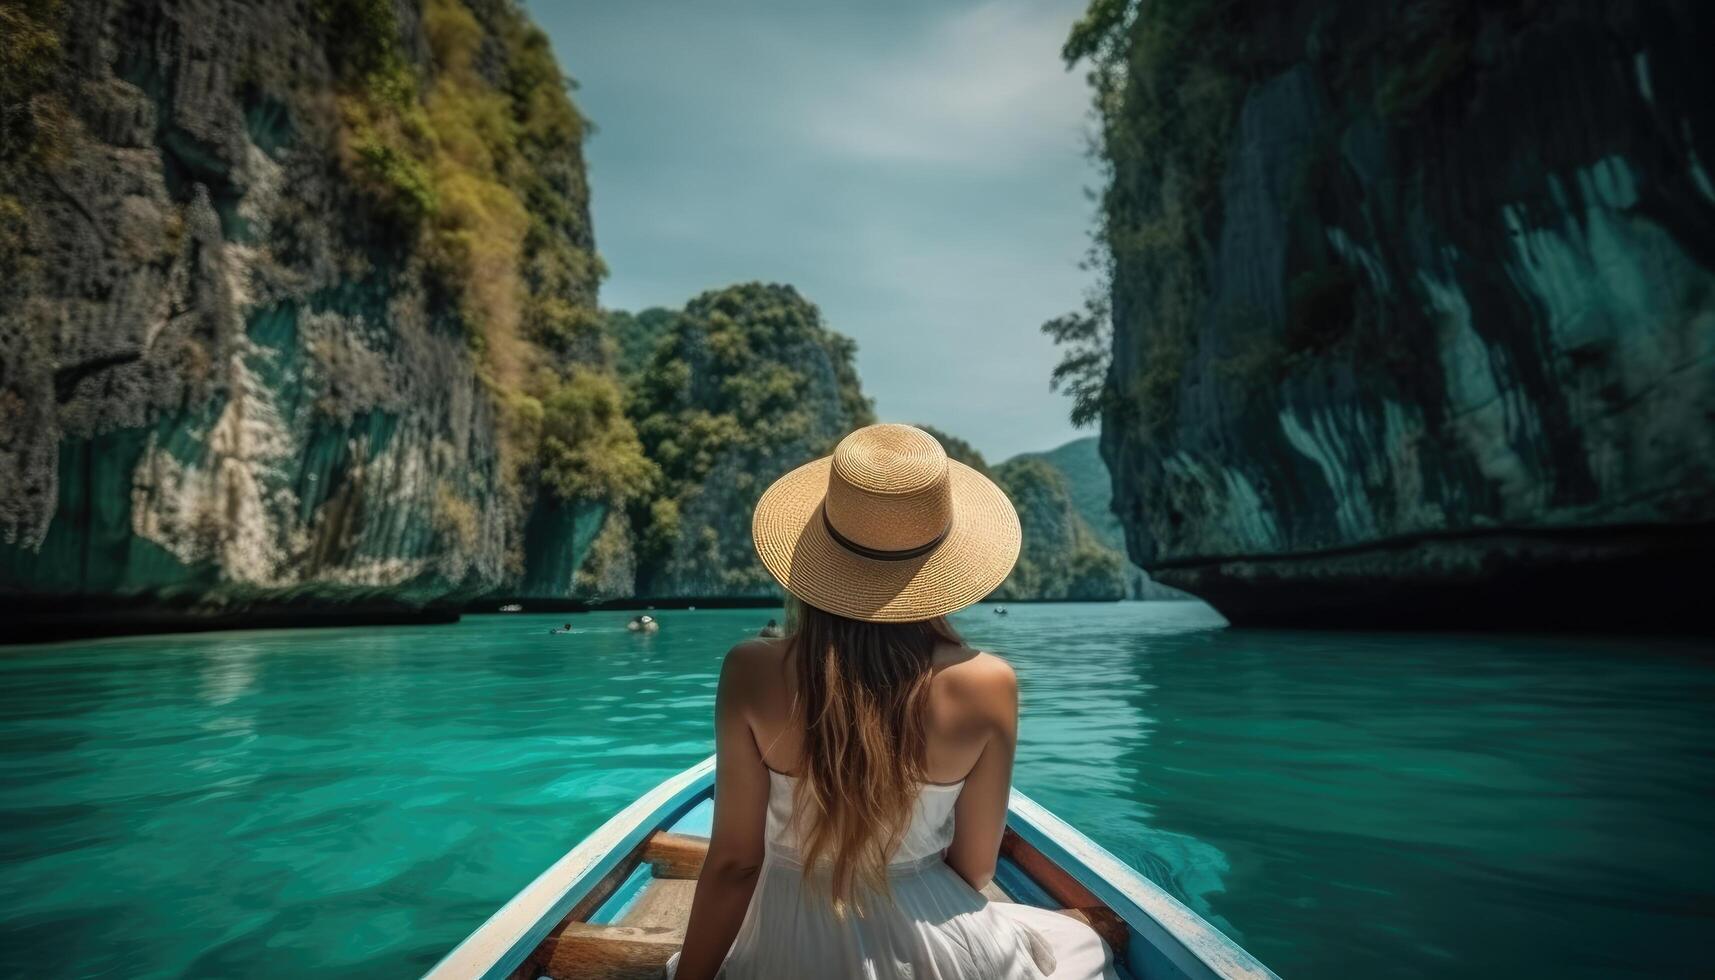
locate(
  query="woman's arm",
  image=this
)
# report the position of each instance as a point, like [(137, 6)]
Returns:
[(979, 818), (736, 843)]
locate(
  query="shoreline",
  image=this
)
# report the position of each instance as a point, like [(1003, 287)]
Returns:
[(492, 606), (61, 620), (35, 621)]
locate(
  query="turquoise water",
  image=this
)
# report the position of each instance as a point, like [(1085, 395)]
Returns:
[(352, 802)]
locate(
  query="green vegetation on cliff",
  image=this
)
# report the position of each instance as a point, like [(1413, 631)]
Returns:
[(589, 450), (482, 158), (30, 111), (636, 336), (479, 157), (737, 388), (32, 115), (1167, 81)]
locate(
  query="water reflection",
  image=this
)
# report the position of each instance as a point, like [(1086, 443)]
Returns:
[(228, 672), (1089, 728)]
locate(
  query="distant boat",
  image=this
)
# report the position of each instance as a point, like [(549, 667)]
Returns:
[(1000, 610), (512, 607), (616, 905)]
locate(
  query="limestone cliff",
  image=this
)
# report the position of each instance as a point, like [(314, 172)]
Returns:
[(740, 386), (287, 289), (1413, 306)]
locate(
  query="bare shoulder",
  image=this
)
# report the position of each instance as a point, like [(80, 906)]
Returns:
[(757, 650), (971, 666), (751, 661), (983, 680)]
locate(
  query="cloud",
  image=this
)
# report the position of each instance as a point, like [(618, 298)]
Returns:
[(983, 88), (916, 170)]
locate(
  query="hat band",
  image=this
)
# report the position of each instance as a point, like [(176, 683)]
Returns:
[(878, 554)]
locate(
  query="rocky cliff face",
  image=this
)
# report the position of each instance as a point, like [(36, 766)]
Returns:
[(245, 355), (1414, 306)]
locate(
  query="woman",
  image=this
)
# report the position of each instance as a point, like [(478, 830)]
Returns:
[(864, 759)]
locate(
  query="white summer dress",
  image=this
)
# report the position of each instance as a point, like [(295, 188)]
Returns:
[(936, 927)]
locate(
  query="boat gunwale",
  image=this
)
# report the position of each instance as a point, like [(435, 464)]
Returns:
[(1161, 921), (510, 935)]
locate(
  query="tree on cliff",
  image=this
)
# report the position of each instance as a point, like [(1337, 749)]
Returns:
[(1087, 336), (743, 384)]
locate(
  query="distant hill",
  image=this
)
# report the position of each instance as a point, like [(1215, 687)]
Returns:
[(1091, 491), (1062, 558)]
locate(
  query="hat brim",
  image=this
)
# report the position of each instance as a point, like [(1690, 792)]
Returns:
[(970, 562)]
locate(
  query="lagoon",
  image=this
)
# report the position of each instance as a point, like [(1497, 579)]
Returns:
[(354, 801)]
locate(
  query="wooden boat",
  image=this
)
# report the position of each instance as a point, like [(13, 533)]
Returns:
[(615, 906)]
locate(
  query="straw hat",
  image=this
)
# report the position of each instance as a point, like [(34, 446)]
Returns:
[(887, 529)]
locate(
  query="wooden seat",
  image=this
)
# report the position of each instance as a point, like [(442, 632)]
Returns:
[(675, 855), (638, 945), (588, 952), (664, 904)]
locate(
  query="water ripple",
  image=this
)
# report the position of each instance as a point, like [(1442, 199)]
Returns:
[(345, 802)]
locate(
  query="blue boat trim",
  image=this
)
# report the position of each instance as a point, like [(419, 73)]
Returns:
[(624, 897), (699, 822), (1175, 941), (509, 936), (1167, 940)]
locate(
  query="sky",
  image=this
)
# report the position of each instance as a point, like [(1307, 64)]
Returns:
[(917, 170)]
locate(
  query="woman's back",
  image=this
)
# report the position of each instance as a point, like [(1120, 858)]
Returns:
[(928, 832), (927, 920), (864, 760), (970, 696)]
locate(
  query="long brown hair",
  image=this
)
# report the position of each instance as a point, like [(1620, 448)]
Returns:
[(863, 696)]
